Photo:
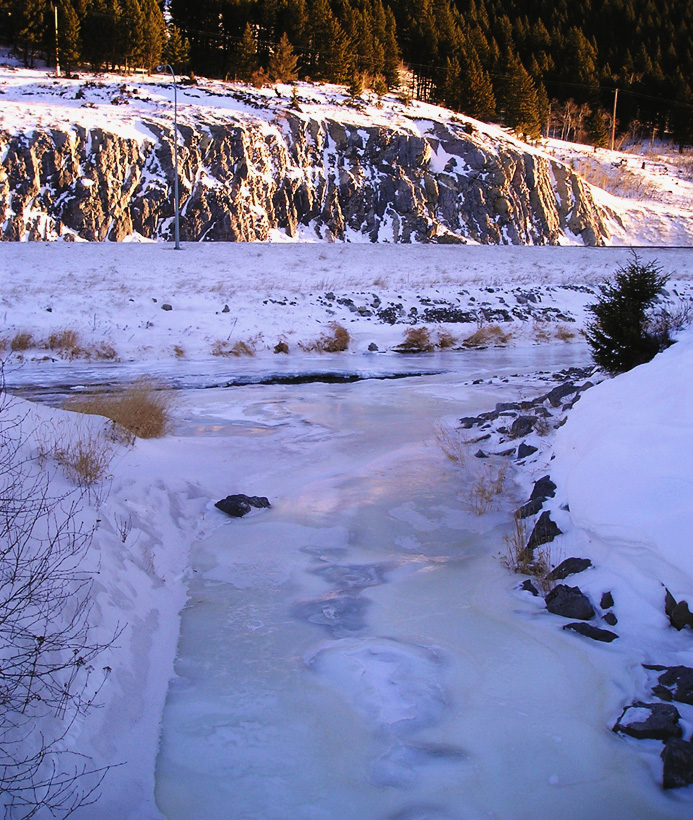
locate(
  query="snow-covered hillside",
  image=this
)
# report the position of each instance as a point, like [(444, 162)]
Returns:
[(92, 158)]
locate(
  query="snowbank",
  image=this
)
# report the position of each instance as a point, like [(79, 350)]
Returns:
[(623, 462)]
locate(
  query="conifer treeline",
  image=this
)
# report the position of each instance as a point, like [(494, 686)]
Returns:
[(535, 65)]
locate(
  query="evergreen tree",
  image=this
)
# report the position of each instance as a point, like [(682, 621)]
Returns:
[(176, 50), (69, 44), (247, 59), (130, 34), (392, 53), (153, 34), (283, 62), (517, 95), (597, 133), (30, 29), (478, 99)]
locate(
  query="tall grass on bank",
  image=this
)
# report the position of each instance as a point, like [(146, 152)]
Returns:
[(143, 409)]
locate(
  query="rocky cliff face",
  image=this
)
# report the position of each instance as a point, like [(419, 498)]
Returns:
[(241, 179)]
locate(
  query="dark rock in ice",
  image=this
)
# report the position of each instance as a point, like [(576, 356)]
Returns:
[(342, 615), (545, 530), (543, 488), (373, 347), (679, 614), (569, 602), (610, 619), (239, 505), (654, 721), (592, 632), (525, 450), (469, 421), (669, 602), (530, 508), (509, 452), (166, 306), (522, 426), (676, 683), (607, 601), (677, 756), (528, 586), (353, 576), (480, 454), (556, 396), (571, 566)]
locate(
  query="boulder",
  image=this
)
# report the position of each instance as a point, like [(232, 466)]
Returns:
[(677, 756), (571, 566), (675, 683), (528, 586), (545, 530), (593, 632), (525, 450), (528, 509), (522, 426), (543, 488), (239, 505), (607, 601), (654, 721), (569, 602)]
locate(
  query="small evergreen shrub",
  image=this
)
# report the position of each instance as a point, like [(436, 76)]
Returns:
[(624, 332)]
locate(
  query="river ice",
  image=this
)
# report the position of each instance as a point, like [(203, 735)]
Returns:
[(357, 652)]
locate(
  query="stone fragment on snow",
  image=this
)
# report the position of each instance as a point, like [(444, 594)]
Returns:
[(528, 586), (543, 488), (571, 566), (607, 601), (525, 450), (239, 505), (675, 683), (569, 602), (610, 619), (522, 426), (677, 757), (545, 530), (654, 721), (593, 632), (528, 509), (678, 612)]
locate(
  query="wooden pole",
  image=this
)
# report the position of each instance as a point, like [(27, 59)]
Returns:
[(613, 120), (57, 50)]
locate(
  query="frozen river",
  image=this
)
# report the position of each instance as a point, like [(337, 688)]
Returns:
[(357, 652)]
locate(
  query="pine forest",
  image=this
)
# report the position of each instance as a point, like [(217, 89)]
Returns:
[(538, 67)]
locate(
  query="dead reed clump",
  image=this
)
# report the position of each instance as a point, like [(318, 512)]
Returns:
[(85, 459), (487, 486), (65, 342), (516, 558), (224, 348), (21, 341), (564, 333), (417, 340), (451, 443), (487, 335), (336, 340), (142, 408), (540, 332), (446, 340)]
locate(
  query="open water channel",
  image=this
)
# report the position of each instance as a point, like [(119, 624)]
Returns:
[(358, 652)]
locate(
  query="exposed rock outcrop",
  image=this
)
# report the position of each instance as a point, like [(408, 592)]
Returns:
[(242, 178)]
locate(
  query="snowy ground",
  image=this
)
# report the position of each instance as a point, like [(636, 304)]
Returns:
[(623, 465)]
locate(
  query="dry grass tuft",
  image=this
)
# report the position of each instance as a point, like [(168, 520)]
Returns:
[(239, 348), (21, 341), (417, 340), (541, 332), (446, 340), (486, 488), (452, 443), (516, 559), (85, 460), (142, 409), (178, 352), (565, 333), (488, 335), (64, 341), (336, 340)]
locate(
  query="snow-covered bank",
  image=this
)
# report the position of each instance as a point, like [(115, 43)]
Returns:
[(151, 303)]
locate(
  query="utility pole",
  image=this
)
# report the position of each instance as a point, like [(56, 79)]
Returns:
[(175, 159), (57, 50), (613, 120)]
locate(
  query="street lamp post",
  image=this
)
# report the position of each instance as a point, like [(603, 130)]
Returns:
[(175, 159)]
